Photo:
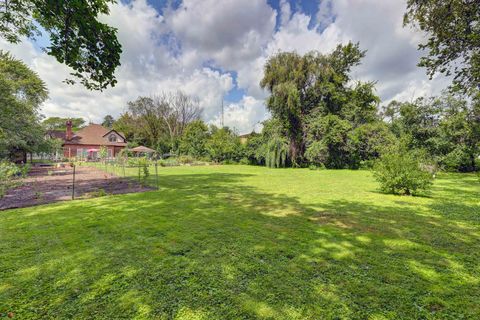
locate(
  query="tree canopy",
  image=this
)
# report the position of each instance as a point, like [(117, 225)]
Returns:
[(58, 123), (453, 39), (21, 94), (77, 37), (316, 104)]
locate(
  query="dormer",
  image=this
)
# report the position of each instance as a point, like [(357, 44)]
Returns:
[(113, 136)]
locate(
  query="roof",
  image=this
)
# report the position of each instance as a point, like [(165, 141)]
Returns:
[(94, 134), (56, 134), (142, 149)]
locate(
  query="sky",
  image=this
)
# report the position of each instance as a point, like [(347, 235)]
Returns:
[(214, 49)]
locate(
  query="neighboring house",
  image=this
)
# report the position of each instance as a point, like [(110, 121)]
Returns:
[(244, 137), (87, 141)]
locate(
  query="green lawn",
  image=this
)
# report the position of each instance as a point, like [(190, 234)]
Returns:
[(240, 242)]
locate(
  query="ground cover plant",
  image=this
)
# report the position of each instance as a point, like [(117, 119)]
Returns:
[(244, 242)]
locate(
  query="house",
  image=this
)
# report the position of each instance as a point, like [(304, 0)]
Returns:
[(244, 137), (86, 142)]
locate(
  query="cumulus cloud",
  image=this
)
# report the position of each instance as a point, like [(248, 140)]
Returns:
[(207, 48), (244, 116)]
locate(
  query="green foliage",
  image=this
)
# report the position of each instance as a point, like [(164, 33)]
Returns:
[(186, 159), (108, 121), (21, 94), (448, 127), (223, 144), (305, 89), (194, 139), (276, 152), (103, 153), (77, 38), (400, 171), (8, 172), (159, 121), (58, 123), (453, 39), (328, 141)]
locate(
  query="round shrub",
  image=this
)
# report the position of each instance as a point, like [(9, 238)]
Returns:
[(402, 172)]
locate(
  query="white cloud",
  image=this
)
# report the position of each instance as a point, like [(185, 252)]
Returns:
[(171, 51), (227, 32), (244, 116)]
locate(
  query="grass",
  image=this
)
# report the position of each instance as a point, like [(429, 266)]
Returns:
[(240, 242)]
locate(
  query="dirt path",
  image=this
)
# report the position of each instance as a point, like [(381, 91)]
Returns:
[(51, 184)]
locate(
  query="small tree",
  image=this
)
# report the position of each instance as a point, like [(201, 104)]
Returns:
[(103, 153), (400, 171)]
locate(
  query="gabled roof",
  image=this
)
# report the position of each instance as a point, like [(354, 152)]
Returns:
[(119, 133), (142, 149), (94, 134)]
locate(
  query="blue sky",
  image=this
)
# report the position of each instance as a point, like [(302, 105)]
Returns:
[(212, 49)]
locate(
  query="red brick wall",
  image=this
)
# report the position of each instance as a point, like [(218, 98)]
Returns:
[(70, 151)]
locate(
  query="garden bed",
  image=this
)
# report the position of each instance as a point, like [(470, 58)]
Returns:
[(46, 184)]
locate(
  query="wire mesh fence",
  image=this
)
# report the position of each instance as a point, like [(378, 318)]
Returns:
[(80, 180)]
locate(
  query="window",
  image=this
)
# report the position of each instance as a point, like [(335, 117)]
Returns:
[(112, 138)]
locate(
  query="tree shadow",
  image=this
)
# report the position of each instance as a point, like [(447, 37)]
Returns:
[(210, 246)]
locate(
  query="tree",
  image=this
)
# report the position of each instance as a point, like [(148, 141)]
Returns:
[(453, 43), (446, 127), (57, 123), (159, 121), (402, 171), (21, 94), (108, 121), (77, 38), (194, 139), (176, 110), (306, 89), (328, 142), (223, 144)]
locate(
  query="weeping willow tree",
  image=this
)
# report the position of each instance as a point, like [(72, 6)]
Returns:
[(276, 152), (273, 149)]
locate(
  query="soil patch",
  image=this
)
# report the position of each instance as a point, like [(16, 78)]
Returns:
[(46, 184)]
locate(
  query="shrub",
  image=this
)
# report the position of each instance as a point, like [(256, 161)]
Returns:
[(8, 171), (185, 159), (244, 161), (402, 172)]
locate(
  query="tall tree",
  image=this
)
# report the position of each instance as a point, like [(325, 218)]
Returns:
[(453, 42), (177, 110), (108, 121), (194, 138), (21, 94), (77, 38), (159, 120), (306, 88)]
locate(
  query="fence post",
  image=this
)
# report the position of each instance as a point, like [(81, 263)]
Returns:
[(156, 172), (73, 183)]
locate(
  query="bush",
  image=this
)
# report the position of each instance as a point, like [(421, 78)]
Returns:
[(185, 159), (244, 161), (9, 171), (402, 172)]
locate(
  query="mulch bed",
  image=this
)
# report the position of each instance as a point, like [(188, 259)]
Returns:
[(46, 184)]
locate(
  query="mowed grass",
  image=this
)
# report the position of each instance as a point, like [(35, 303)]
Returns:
[(240, 242)]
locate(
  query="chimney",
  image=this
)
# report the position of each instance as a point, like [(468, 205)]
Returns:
[(69, 134)]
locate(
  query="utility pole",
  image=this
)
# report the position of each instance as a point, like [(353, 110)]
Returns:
[(223, 124)]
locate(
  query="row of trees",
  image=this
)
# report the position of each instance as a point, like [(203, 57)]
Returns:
[(321, 117)]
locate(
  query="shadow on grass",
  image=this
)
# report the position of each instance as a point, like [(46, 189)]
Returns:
[(209, 246)]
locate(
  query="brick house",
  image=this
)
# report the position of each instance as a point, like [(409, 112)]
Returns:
[(86, 142)]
